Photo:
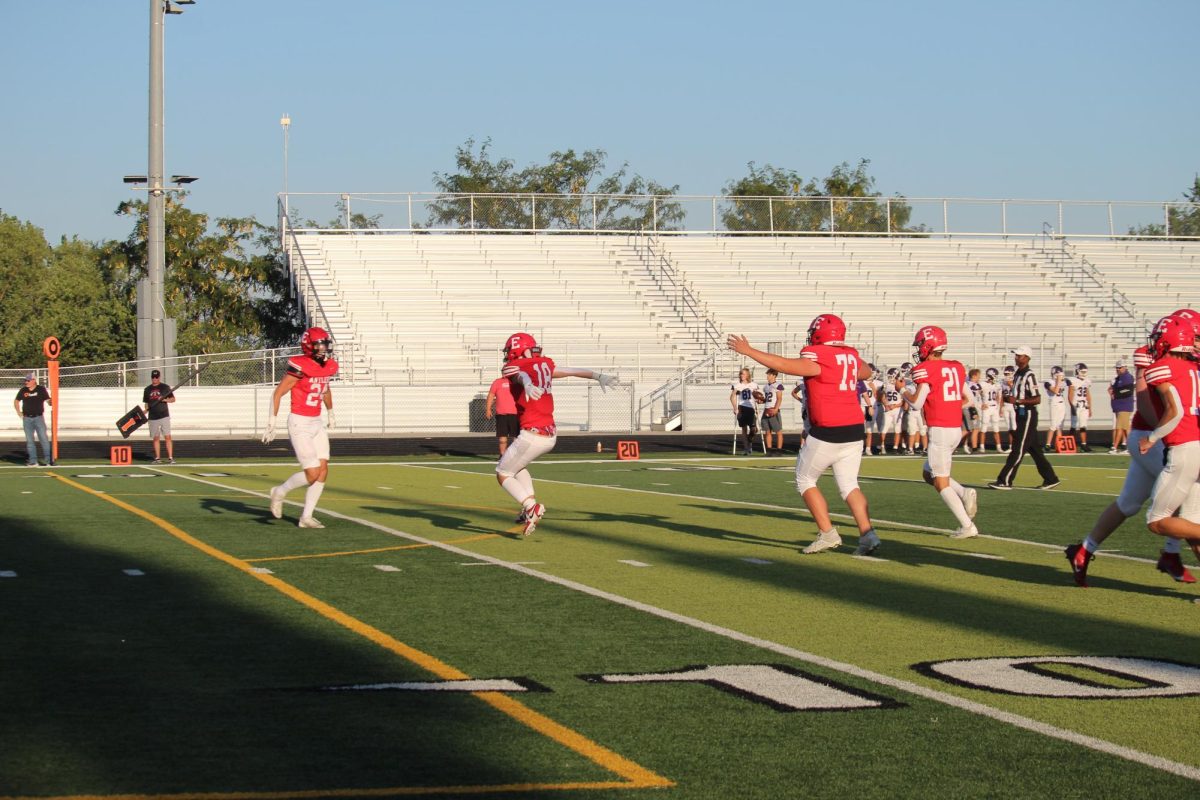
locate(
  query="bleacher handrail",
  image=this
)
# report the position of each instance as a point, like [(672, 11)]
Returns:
[(702, 215)]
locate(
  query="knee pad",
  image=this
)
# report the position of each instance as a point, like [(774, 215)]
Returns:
[(503, 473), (804, 483)]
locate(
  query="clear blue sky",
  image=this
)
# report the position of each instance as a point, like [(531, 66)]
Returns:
[(1050, 99)]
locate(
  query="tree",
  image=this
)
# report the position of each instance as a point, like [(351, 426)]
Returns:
[(781, 200), (227, 289), (1182, 220), (61, 292), (570, 191)]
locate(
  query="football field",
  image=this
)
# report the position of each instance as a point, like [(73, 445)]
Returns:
[(659, 633)]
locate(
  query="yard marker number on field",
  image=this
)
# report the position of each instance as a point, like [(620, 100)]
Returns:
[(386, 568)]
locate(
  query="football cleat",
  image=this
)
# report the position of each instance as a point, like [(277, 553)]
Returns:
[(1172, 564), (1050, 484), (1004, 487), (520, 517), (277, 503), (965, 532), (532, 517), (970, 501), (1079, 558), (824, 541), (868, 543), (309, 522)]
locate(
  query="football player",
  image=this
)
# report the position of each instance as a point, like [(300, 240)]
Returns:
[(1140, 477), (888, 419), (939, 394), (831, 370), (532, 376), (772, 420), (1056, 397), (989, 415), (1007, 410), (307, 382), (1174, 379), (743, 398), (801, 398), (1079, 398), (914, 422), (973, 392)]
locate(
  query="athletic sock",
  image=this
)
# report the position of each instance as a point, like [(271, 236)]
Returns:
[(957, 487), (1171, 545), (294, 482), (1092, 546), (311, 496), (955, 504), (526, 480), (518, 490)]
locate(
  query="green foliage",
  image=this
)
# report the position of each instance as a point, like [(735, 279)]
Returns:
[(774, 199), (1182, 220), (226, 287), (551, 195), (56, 291)]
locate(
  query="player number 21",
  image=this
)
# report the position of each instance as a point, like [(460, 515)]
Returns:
[(952, 385)]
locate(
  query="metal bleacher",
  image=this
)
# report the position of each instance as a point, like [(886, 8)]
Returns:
[(423, 307)]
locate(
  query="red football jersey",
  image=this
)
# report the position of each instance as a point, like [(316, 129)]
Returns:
[(944, 405), (309, 392), (537, 415), (833, 395), (1181, 374), (1141, 360)]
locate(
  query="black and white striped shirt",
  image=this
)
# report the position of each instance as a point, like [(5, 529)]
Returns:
[(1024, 386)]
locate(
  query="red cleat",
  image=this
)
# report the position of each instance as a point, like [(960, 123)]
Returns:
[(1172, 564), (1079, 558)]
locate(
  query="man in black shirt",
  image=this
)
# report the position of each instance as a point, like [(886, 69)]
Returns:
[(30, 405), (156, 396), (1024, 397)]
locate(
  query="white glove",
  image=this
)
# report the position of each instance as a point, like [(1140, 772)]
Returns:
[(269, 435), (329, 423), (606, 381), (532, 390)]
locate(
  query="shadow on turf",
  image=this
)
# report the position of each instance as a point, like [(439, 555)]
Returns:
[(1050, 626), (164, 682), (257, 511)]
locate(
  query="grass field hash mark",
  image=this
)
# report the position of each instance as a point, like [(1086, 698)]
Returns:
[(634, 775), (919, 690), (367, 551)]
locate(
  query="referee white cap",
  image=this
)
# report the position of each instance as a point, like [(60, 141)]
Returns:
[(1023, 350)]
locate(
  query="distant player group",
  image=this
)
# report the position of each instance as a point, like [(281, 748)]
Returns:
[(901, 427), (844, 403)]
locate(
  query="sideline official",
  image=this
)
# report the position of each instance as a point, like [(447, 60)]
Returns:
[(1024, 397), (30, 405)]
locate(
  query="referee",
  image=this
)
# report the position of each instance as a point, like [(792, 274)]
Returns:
[(1024, 397)]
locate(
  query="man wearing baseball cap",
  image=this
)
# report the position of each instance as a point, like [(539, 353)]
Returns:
[(30, 405), (156, 396), (1024, 396), (1121, 395)]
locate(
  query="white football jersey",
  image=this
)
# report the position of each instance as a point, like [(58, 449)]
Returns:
[(991, 395), (745, 393), (1081, 386)]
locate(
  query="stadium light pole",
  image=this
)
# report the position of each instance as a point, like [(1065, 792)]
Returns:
[(155, 345), (285, 122)]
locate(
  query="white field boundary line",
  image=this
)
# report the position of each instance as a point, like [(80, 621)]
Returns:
[(800, 511), (970, 706)]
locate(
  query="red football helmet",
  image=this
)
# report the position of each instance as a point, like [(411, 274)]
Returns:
[(316, 344), (520, 345), (827, 329), (1172, 335), (927, 340), (1193, 317)]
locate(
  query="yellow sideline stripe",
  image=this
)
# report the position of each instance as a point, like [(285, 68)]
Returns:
[(636, 775), (372, 550)]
